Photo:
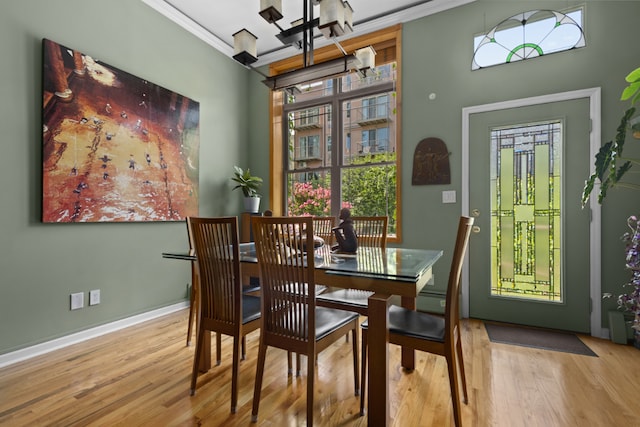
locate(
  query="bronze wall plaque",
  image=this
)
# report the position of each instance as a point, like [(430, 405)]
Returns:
[(431, 163)]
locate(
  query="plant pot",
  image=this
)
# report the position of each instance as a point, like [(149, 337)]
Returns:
[(252, 204), (617, 327), (636, 333)]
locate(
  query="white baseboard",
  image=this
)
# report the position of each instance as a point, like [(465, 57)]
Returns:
[(58, 343)]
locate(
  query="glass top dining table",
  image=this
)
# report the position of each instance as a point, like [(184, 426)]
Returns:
[(399, 264), (386, 272)]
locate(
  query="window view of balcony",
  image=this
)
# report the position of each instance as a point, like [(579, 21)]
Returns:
[(374, 110), (370, 128), (309, 138), (307, 119), (308, 148)]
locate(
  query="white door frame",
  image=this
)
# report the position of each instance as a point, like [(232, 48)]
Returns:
[(594, 96)]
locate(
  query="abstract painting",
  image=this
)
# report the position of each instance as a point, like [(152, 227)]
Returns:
[(116, 147)]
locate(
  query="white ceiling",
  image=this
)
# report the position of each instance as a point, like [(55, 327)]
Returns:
[(216, 21)]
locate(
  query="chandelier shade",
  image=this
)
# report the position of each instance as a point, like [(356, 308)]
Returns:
[(331, 18), (271, 10), (348, 18), (244, 47), (366, 57)]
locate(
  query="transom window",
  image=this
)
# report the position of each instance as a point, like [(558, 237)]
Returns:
[(528, 35)]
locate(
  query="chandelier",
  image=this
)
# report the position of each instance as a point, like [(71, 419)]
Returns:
[(335, 20)]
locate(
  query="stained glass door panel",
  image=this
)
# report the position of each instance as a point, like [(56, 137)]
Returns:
[(526, 225)]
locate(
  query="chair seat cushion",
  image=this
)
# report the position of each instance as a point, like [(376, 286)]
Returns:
[(250, 308), (328, 320), (353, 297), (414, 324)]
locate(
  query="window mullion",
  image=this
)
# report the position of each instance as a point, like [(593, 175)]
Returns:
[(336, 154)]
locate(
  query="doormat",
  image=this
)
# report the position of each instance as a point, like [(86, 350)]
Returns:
[(537, 338)]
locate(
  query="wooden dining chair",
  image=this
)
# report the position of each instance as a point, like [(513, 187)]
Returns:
[(323, 228), (371, 231), (432, 333), (291, 320), (224, 308), (193, 294)]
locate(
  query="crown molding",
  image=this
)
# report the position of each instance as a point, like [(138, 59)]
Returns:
[(190, 25)]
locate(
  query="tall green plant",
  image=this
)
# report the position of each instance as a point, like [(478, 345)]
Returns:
[(610, 165)]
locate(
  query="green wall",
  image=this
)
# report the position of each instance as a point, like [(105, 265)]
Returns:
[(41, 264)]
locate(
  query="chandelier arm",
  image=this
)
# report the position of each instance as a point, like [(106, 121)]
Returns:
[(337, 43)]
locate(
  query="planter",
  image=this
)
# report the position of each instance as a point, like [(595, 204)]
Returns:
[(620, 329), (617, 327), (252, 204)]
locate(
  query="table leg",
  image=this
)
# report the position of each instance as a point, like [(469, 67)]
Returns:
[(378, 391), (408, 355)]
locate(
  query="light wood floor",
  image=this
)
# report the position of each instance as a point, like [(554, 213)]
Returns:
[(140, 377)]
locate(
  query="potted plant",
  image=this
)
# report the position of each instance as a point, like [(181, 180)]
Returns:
[(609, 174), (249, 184)]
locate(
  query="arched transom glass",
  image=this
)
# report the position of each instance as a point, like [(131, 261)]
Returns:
[(528, 35)]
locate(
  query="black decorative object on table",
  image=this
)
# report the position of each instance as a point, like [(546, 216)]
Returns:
[(345, 234)]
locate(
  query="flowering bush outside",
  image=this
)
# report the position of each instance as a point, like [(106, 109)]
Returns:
[(368, 188), (309, 199)]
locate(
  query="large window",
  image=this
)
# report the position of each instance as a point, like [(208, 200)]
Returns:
[(337, 140), (361, 172)]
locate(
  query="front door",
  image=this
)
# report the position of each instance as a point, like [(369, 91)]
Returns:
[(529, 261)]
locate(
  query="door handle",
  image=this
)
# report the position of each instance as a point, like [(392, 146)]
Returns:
[(475, 229)]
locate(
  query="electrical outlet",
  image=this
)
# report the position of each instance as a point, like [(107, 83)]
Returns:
[(77, 300), (94, 297)]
